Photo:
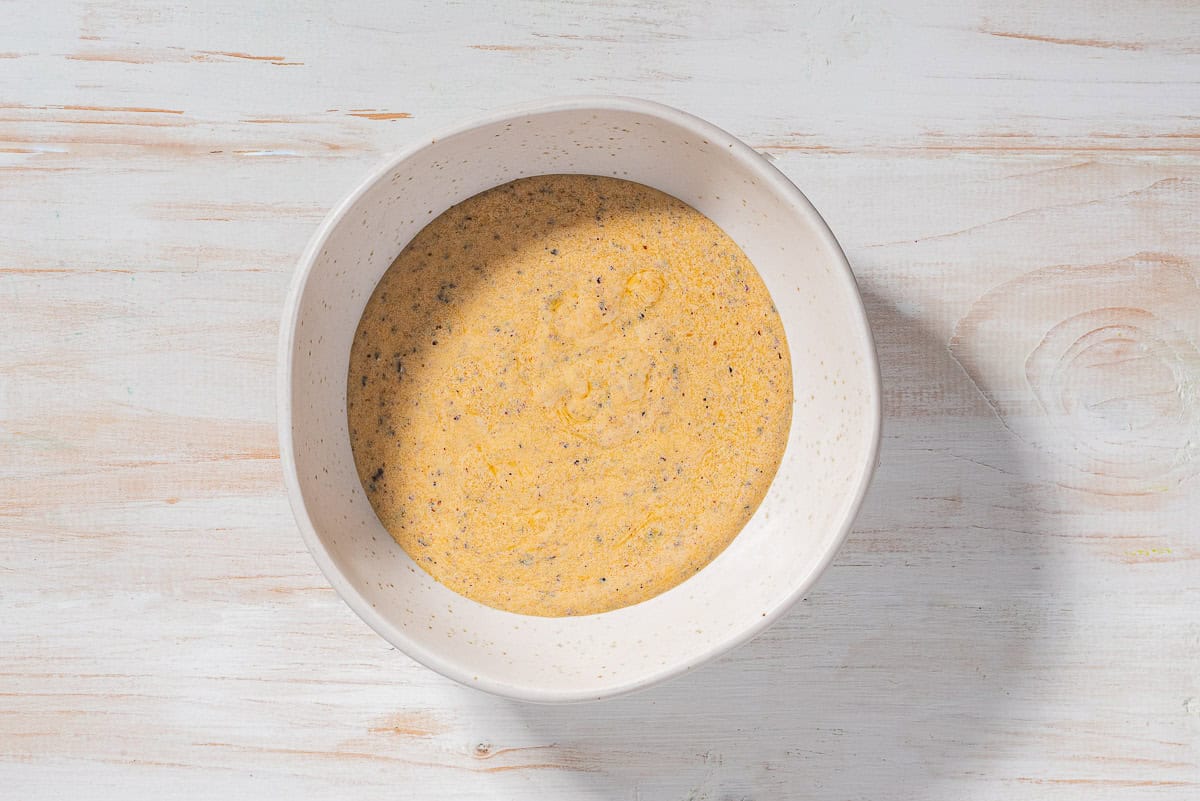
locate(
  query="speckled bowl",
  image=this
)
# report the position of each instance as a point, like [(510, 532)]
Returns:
[(796, 531)]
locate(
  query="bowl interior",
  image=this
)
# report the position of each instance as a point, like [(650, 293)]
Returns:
[(789, 540)]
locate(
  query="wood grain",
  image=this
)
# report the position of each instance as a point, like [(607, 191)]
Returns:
[(1017, 614)]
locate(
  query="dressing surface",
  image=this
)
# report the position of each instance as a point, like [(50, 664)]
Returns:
[(568, 394)]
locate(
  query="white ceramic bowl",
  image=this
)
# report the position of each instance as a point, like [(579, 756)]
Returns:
[(796, 531)]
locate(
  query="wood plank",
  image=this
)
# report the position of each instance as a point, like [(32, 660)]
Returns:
[(1017, 614)]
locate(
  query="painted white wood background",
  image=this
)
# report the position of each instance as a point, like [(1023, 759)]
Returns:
[(1017, 614)]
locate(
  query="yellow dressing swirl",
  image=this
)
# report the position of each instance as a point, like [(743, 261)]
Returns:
[(568, 394)]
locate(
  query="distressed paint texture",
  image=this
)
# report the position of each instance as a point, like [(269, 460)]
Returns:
[(1017, 614)]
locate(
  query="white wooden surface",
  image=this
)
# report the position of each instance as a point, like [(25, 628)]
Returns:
[(1017, 615)]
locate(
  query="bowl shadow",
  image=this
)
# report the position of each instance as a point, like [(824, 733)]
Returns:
[(897, 673)]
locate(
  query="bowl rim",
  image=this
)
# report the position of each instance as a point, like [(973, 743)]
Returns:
[(749, 160)]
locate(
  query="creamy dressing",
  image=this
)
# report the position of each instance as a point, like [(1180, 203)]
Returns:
[(568, 394)]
